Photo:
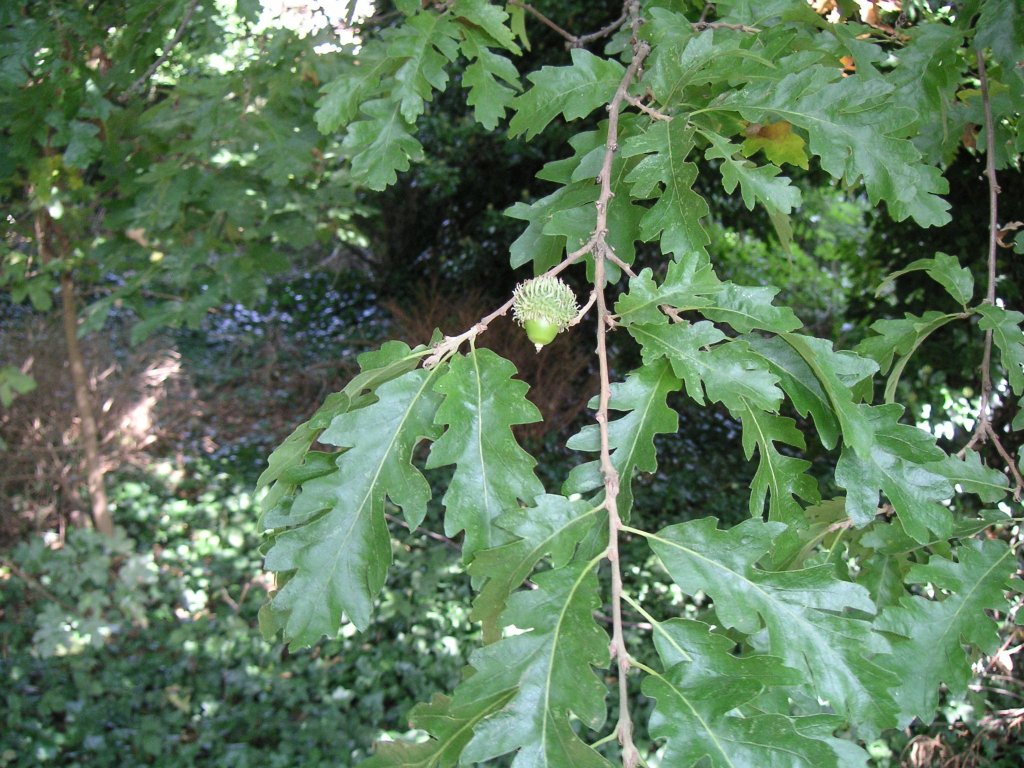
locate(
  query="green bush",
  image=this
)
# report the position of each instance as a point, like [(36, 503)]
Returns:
[(143, 650)]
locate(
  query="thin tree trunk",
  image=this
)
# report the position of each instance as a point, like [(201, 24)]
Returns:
[(83, 396)]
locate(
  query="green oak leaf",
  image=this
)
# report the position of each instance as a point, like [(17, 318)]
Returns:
[(701, 702), (449, 734), (746, 308), (900, 338), (381, 145), (427, 42), (493, 473), (336, 552), (686, 346), (802, 612), (930, 634), (729, 373), (490, 18), (837, 373), (1009, 339), (572, 91), (643, 397), (392, 360), (988, 484), (537, 244), (784, 477), (800, 383), (758, 184), (858, 134), (554, 526), (343, 96), (903, 463), (663, 172), (488, 97), (926, 74), (688, 283), (577, 224), (550, 667), (943, 269)]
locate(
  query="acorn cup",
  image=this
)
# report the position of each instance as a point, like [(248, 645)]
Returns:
[(544, 306)]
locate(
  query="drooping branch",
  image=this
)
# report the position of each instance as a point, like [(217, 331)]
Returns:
[(984, 430), (602, 253)]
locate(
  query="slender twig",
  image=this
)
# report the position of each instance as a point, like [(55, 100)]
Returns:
[(447, 346), (984, 430), (597, 246), (610, 255), (606, 30), (141, 81), (571, 40), (700, 26), (585, 309), (569, 36), (649, 111), (427, 532)]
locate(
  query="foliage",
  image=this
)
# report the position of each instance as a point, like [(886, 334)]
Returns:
[(807, 647), (176, 182), (143, 650)]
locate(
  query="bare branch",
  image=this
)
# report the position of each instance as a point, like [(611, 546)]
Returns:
[(141, 81), (571, 40)]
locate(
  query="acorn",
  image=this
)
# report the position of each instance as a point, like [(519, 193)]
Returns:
[(544, 306)]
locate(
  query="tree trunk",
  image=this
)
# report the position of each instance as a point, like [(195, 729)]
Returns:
[(80, 381)]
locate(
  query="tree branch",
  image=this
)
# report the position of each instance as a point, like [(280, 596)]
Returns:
[(984, 430), (141, 81), (602, 254), (571, 40)]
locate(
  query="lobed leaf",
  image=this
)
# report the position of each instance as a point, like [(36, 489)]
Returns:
[(758, 184), (554, 527), (492, 472), (857, 133), (746, 308), (784, 477), (702, 704), (802, 612), (931, 633), (643, 396), (1009, 339), (943, 269), (905, 464), (664, 172), (572, 91), (392, 360), (449, 734), (688, 284), (381, 145), (335, 553), (550, 667)]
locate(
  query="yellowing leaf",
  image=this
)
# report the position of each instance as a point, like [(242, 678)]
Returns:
[(778, 141)]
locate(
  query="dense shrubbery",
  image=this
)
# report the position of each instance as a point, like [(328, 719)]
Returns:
[(144, 652)]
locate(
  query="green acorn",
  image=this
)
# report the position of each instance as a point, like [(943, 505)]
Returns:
[(543, 306)]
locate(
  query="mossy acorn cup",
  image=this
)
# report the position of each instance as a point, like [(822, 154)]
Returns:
[(544, 306)]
